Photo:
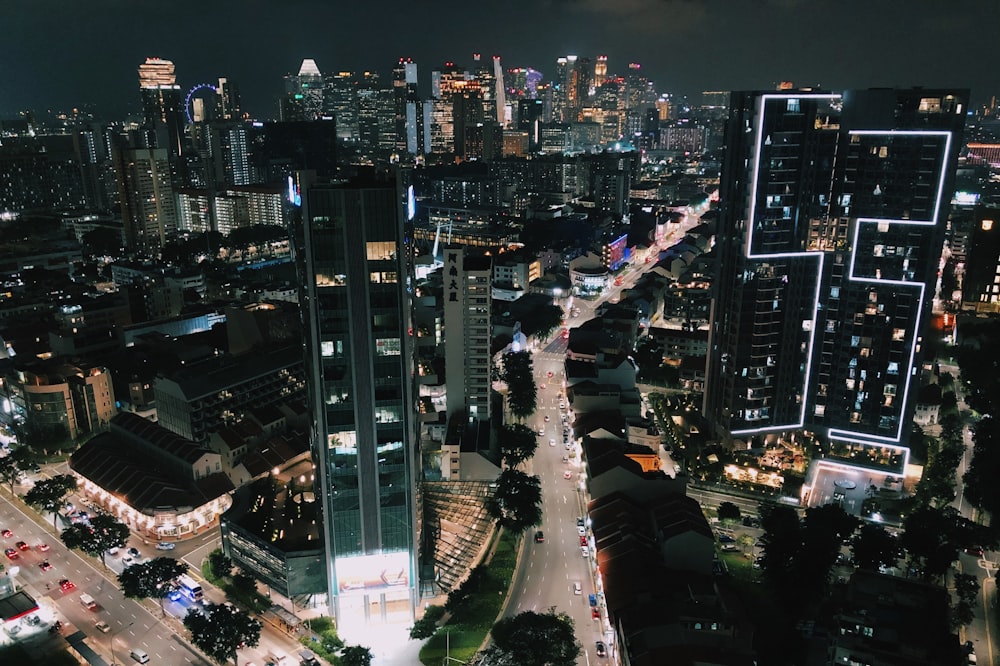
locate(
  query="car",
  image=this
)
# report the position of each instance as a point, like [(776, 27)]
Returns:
[(21, 545), (730, 547), (175, 595), (585, 551), (102, 626), (542, 387), (11, 553), (43, 547), (565, 459), (562, 405), (541, 431), (577, 589), (166, 545), (602, 650), (581, 530), (552, 441), (66, 585), (725, 538), (127, 559), (546, 418), (971, 658), (44, 565), (567, 474), (539, 537), (583, 541), (592, 600), (975, 550), (549, 373), (6, 534), (113, 550), (579, 521), (595, 614), (134, 552)]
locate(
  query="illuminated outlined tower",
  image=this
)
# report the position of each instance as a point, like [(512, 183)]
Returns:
[(355, 305), (833, 213)]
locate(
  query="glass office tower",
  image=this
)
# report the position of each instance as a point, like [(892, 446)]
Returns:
[(356, 311)]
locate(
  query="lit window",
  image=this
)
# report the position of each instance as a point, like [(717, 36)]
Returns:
[(987, 225)]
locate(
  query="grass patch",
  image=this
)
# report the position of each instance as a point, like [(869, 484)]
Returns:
[(328, 643), (473, 617), (15, 653)]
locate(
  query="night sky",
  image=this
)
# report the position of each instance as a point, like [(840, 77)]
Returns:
[(57, 54)]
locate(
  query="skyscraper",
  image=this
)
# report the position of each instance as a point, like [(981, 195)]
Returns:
[(162, 105), (405, 102), (149, 211), (357, 316), (833, 213), (303, 98), (467, 321)]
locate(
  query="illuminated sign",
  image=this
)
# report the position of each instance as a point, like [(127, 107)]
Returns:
[(364, 574), (411, 203), (965, 198), (294, 195)]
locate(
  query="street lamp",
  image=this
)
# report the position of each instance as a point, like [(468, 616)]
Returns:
[(112, 641)]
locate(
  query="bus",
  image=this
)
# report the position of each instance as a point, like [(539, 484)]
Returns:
[(189, 588)]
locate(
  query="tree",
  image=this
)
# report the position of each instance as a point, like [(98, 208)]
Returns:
[(534, 639), (48, 495), (103, 242), (781, 543), (14, 464), (220, 564), (356, 655), (516, 504), (427, 626), (966, 589), (824, 529), (517, 373), (649, 358), (243, 580), (221, 630), (517, 443), (104, 532), (981, 488), (931, 538), (151, 580), (729, 511), (874, 547)]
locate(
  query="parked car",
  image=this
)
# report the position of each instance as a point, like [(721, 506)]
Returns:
[(602, 650), (593, 600), (166, 545)]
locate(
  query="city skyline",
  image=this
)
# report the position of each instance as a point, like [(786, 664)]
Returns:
[(684, 46)]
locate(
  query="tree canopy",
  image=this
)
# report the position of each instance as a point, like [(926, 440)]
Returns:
[(151, 580), (14, 464), (221, 630), (981, 488), (517, 443), (517, 371), (516, 504), (356, 655), (48, 495), (103, 533), (534, 639)]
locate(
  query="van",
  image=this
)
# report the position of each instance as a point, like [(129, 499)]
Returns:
[(279, 658), (139, 655), (577, 589), (88, 601)]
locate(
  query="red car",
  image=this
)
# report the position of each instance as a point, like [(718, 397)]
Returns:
[(583, 541), (6, 534), (22, 545), (66, 585), (43, 547), (595, 614), (11, 553)]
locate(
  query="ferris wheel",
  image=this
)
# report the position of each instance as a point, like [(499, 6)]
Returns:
[(188, 110)]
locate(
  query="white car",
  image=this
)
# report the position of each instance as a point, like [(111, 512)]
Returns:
[(541, 431), (166, 545), (585, 551), (552, 441)]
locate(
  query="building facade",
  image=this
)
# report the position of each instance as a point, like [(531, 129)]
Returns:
[(833, 212), (467, 323), (148, 205), (360, 377)]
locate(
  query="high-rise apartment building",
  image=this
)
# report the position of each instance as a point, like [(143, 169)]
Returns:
[(149, 211), (467, 303), (833, 213), (352, 255)]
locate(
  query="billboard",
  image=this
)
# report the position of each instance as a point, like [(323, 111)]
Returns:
[(365, 574)]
